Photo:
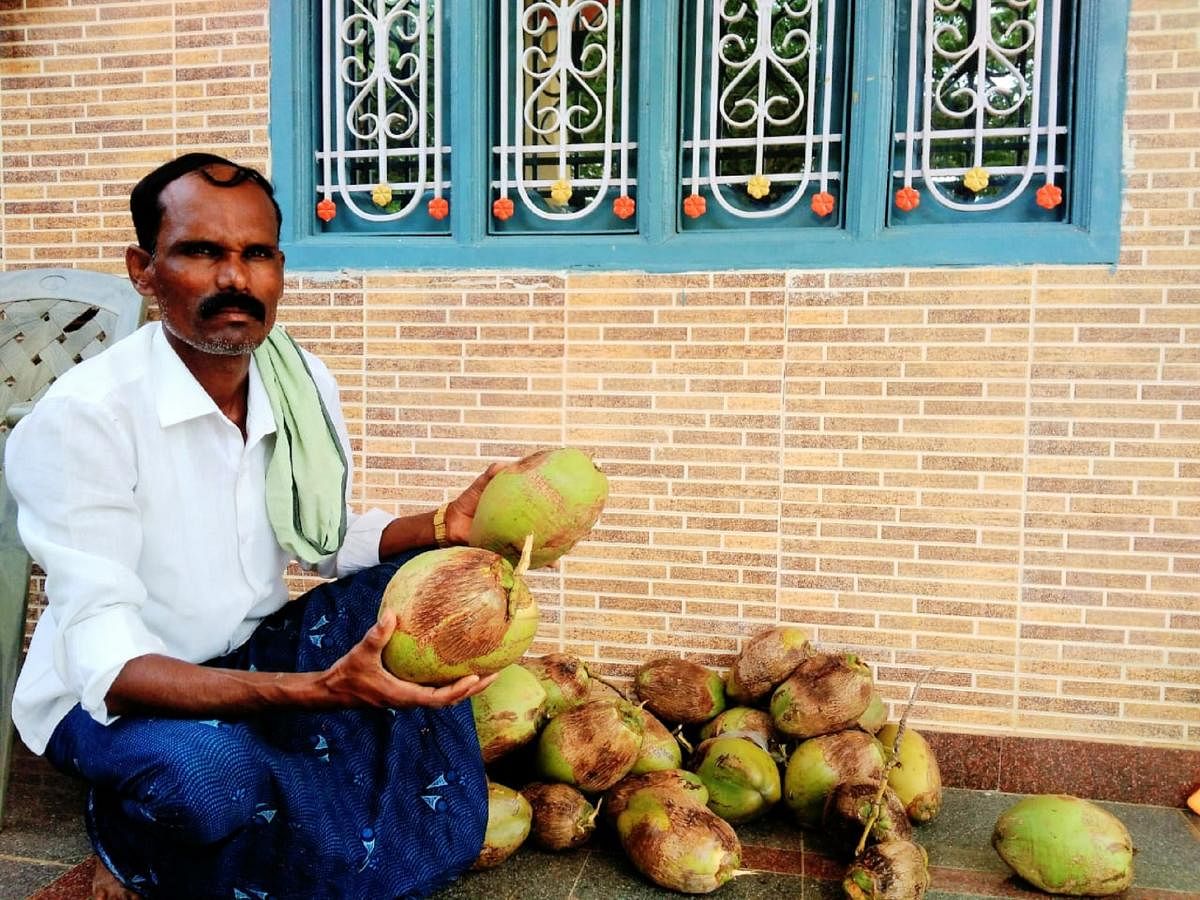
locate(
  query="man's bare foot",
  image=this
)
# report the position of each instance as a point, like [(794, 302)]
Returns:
[(106, 887)]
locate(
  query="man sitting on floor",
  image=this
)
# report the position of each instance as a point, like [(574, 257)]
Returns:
[(236, 744)]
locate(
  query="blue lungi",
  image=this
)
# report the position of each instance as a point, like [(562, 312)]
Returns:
[(374, 803)]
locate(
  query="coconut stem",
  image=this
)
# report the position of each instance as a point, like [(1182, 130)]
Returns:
[(892, 760), (526, 555), (683, 742), (595, 810)]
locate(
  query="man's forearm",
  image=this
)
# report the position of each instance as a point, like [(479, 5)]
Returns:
[(406, 533), (166, 686)]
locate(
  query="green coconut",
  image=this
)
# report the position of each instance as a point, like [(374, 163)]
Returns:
[(676, 843), (743, 721), (827, 692), (659, 750), (765, 661), (562, 817), (592, 746), (874, 716), (509, 820), (819, 764), (741, 777), (679, 690), (508, 712), (555, 495), (1065, 845), (459, 611), (853, 804), (893, 870), (687, 785), (915, 778), (564, 677)]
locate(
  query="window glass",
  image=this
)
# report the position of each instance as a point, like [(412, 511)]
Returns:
[(383, 157), (982, 111), (563, 154), (763, 113)]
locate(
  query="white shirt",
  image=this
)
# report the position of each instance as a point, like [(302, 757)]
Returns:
[(147, 511)]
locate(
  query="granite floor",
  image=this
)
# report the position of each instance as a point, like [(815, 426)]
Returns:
[(44, 854)]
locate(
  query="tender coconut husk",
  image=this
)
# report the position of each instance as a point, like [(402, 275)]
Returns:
[(508, 712), (592, 746), (509, 820), (743, 721), (687, 785), (819, 764), (679, 690), (602, 689), (742, 778), (874, 716), (562, 817), (659, 750), (459, 611), (555, 494), (1065, 845), (915, 777), (826, 693), (676, 843), (563, 676), (766, 660), (893, 870), (851, 805)]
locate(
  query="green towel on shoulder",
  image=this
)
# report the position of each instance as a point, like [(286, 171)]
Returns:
[(306, 475)]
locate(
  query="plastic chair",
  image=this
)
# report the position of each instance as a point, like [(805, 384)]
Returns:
[(50, 319)]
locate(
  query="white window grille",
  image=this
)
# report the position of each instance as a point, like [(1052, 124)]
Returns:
[(382, 150), (564, 149), (983, 110), (764, 124)]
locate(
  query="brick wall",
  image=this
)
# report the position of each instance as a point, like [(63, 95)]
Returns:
[(991, 472)]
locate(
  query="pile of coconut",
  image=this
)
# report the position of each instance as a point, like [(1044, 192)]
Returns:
[(672, 763), (691, 754)]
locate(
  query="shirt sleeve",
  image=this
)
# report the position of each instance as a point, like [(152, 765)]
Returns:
[(360, 548), (71, 468)]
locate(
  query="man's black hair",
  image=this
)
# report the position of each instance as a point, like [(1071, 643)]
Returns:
[(144, 199)]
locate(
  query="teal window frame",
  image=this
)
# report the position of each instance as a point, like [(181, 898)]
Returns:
[(1092, 236)]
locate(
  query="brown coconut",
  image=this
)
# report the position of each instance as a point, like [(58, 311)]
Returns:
[(679, 690), (508, 712), (826, 693), (743, 721), (677, 843), (459, 611), (562, 817), (564, 677), (508, 824), (555, 494), (851, 805), (765, 661), (592, 746), (820, 764), (893, 870), (687, 785), (659, 750)]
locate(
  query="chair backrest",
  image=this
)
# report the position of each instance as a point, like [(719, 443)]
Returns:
[(51, 319)]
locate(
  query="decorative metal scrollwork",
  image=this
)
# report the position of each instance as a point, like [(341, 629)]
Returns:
[(762, 106), (381, 109), (564, 143), (982, 103)]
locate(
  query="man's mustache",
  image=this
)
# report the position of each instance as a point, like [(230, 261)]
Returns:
[(214, 303)]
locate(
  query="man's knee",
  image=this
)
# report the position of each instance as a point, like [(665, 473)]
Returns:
[(202, 800)]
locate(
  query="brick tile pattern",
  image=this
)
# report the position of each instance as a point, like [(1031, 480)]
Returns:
[(992, 472)]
